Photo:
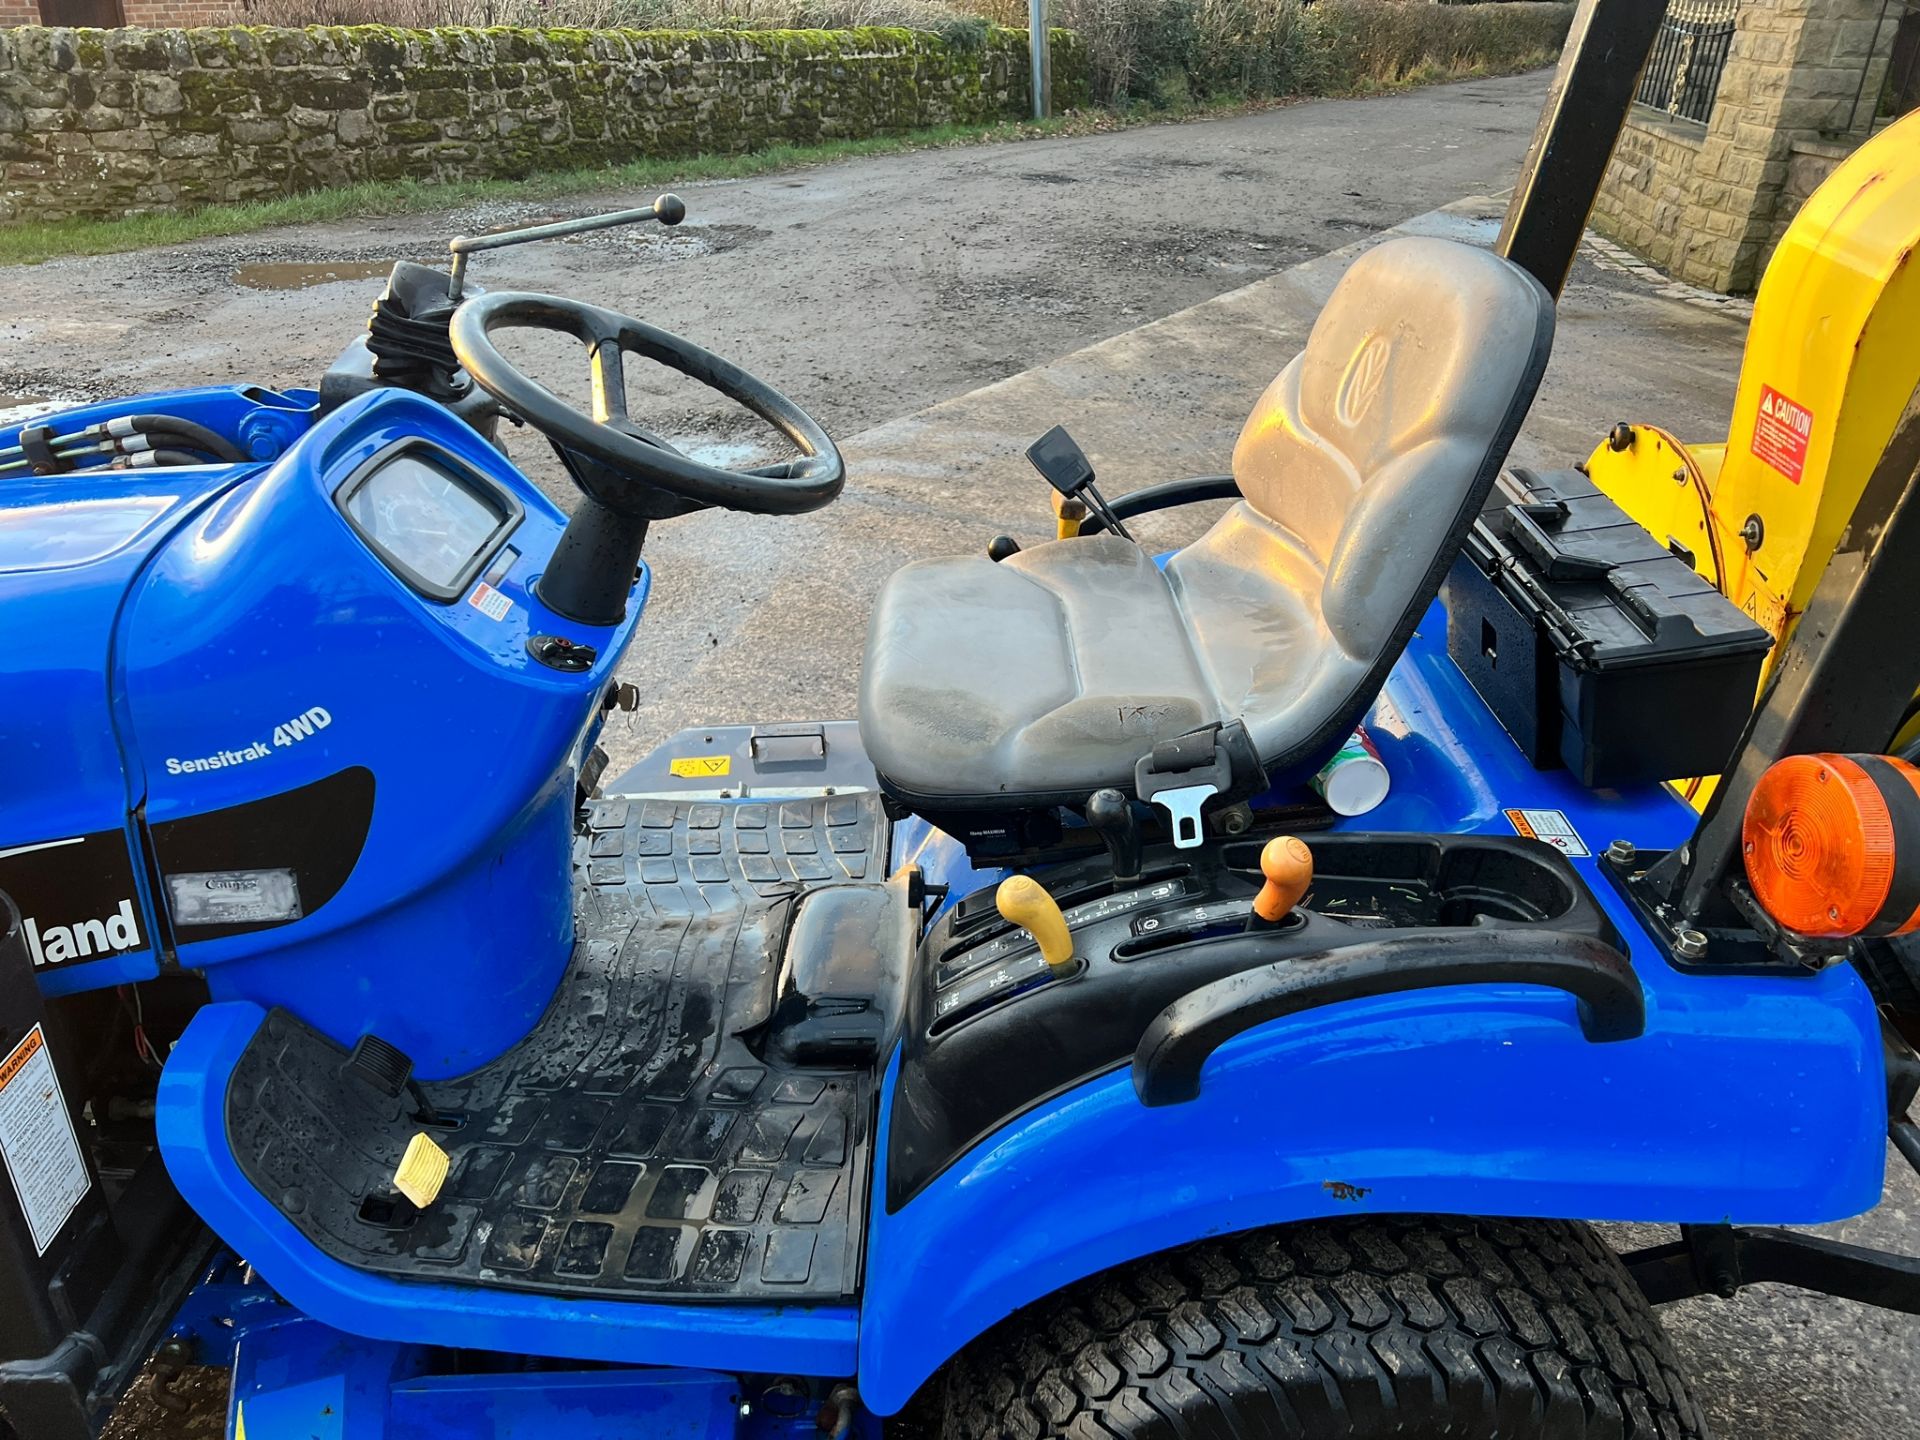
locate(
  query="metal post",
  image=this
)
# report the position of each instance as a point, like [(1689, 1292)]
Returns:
[(1579, 125), (1843, 683), (1040, 62)]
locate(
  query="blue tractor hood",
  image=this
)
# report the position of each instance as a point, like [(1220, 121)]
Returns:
[(284, 722), (72, 548)]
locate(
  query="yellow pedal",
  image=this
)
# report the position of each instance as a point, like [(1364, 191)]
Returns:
[(423, 1170), (1025, 902)]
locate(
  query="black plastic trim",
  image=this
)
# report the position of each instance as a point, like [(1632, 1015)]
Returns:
[(1167, 1062), (316, 830), (508, 513), (960, 1086)]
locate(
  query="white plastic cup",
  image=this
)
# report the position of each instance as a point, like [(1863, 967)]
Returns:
[(1356, 779)]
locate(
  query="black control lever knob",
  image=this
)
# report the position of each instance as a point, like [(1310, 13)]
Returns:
[(1111, 814)]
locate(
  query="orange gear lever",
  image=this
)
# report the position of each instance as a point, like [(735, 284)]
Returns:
[(1287, 864)]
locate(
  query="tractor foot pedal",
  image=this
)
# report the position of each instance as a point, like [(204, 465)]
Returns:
[(387, 1070)]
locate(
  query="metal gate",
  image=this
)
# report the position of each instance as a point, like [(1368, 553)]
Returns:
[(1683, 72)]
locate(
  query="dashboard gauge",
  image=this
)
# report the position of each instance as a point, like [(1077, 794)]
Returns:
[(433, 526)]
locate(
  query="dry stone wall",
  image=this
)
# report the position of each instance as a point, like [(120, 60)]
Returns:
[(114, 122)]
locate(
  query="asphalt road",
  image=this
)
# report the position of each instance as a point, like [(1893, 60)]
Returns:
[(872, 289), (865, 289)]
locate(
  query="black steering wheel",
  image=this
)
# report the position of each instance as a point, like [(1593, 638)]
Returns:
[(635, 467)]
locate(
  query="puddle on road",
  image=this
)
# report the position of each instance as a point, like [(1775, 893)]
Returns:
[(286, 276), (728, 454)]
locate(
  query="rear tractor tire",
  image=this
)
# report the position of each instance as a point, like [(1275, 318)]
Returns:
[(1411, 1327)]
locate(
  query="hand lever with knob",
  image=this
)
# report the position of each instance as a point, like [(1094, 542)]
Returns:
[(1287, 866), (1111, 815), (667, 209), (1025, 902)]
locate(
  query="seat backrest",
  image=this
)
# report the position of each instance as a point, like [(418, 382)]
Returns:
[(1361, 468), (1381, 440)]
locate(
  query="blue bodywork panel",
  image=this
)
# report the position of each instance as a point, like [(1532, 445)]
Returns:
[(71, 548), (298, 1378), (450, 933), (295, 1377), (1749, 1099), (250, 644)]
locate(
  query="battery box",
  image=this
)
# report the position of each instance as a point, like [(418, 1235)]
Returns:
[(1597, 647)]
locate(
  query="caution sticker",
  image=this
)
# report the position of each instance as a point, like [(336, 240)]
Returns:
[(37, 1140), (1551, 826), (698, 767), (490, 602), (1780, 433)]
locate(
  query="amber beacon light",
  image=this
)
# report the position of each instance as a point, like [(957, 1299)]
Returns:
[(1832, 844)]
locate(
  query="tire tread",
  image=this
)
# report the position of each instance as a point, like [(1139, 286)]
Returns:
[(1428, 1326)]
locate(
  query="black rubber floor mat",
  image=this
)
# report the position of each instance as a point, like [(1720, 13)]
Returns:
[(632, 1145)]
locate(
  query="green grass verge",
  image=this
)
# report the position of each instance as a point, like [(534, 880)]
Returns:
[(30, 241)]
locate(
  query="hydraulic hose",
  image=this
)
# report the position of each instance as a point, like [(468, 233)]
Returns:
[(196, 437), (148, 439)]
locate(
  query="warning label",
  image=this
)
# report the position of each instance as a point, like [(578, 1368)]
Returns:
[(1553, 827), (490, 602), (37, 1140), (1780, 433), (689, 767)]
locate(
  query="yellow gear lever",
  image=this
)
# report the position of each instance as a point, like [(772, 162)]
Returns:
[(1286, 864), (1024, 901), (1069, 515)]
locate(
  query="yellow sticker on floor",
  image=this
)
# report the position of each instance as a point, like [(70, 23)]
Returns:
[(693, 767), (423, 1170)]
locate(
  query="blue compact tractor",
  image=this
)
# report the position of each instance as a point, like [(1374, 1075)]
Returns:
[(1044, 1054)]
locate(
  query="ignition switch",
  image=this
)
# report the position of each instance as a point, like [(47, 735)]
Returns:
[(559, 653)]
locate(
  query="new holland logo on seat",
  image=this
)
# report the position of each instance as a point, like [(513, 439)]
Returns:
[(75, 898)]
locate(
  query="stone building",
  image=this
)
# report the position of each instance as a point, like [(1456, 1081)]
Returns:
[(1744, 108)]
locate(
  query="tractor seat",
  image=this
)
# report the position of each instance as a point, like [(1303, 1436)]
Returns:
[(1037, 680)]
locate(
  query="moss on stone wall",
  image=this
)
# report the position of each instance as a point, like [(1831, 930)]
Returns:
[(104, 123)]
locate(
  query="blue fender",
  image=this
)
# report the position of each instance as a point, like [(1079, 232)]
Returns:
[(1480, 1100), (1754, 1099)]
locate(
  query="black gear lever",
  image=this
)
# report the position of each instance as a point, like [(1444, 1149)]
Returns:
[(1111, 814)]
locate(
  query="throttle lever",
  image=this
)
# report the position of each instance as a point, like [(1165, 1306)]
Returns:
[(667, 209)]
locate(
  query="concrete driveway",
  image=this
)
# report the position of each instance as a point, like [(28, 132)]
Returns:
[(937, 310)]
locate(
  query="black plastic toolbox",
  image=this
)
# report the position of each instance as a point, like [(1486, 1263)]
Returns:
[(1596, 647)]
